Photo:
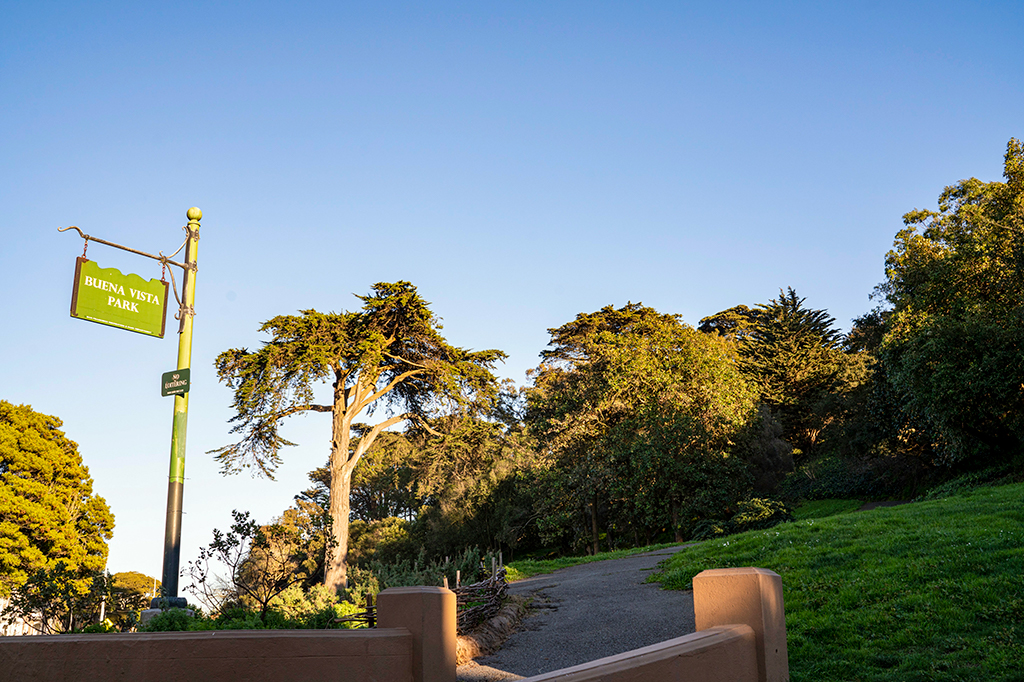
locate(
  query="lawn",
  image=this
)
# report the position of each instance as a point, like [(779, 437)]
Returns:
[(927, 591), (819, 509)]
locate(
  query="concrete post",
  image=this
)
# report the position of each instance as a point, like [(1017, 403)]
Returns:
[(748, 596), (429, 614)]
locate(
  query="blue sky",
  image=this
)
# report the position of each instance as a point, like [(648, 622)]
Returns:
[(519, 162)]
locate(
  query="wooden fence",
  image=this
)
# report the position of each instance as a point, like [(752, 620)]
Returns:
[(476, 602)]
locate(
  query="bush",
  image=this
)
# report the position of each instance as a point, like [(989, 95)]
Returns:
[(177, 620), (314, 609), (756, 513), (832, 477), (471, 565), (362, 583), (292, 609), (759, 513), (382, 540)]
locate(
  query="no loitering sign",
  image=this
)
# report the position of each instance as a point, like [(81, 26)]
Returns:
[(175, 382), (106, 296)]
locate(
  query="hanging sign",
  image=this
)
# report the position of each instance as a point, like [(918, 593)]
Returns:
[(174, 383), (106, 296)]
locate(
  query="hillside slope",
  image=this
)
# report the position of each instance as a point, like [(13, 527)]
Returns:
[(926, 591)]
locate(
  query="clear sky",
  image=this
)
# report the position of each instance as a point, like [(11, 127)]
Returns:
[(518, 162)]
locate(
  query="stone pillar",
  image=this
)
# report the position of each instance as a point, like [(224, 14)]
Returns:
[(748, 596), (429, 614)]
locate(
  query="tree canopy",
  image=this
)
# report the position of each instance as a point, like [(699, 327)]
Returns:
[(637, 411), (48, 511), (794, 355), (733, 323), (953, 344), (389, 354)]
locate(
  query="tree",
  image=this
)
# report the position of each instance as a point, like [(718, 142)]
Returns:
[(733, 323), (953, 343), (262, 562), (138, 583), (638, 411), (48, 512), (390, 353), (54, 599), (458, 474), (794, 356)]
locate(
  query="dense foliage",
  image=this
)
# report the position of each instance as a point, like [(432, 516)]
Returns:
[(637, 428), (793, 354), (954, 344), (636, 413), (48, 512)]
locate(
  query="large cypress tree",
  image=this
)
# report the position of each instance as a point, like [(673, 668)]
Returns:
[(388, 354)]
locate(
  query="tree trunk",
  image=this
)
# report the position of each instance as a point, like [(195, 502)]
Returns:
[(593, 525), (336, 568), (348, 403), (336, 571)]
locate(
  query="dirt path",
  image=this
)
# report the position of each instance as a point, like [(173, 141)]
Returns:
[(587, 612)]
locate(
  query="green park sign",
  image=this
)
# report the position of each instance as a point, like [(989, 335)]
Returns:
[(106, 296)]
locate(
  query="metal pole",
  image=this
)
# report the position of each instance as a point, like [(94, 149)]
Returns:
[(176, 478)]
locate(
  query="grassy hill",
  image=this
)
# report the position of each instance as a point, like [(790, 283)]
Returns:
[(927, 591)]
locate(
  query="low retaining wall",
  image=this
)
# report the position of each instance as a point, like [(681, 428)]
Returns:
[(414, 643), (739, 612), (720, 654), (221, 655)]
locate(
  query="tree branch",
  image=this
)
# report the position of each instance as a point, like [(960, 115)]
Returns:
[(401, 359), (303, 408), (394, 382)]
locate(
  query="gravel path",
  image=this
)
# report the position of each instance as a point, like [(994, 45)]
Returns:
[(586, 612)]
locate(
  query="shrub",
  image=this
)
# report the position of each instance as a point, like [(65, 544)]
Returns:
[(314, 609), (177, 620), (759, 513), (382, 540), (756, 513)]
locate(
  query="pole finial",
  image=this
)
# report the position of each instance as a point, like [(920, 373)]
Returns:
[(194, 214)]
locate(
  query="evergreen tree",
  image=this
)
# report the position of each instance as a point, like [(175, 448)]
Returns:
[(733, 323), (793, 355), (389, 354)]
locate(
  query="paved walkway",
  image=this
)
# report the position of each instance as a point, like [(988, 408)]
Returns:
[(586, 612)]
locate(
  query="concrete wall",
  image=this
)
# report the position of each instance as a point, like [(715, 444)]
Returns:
[(413, 645), (719, 654), (739, 612), (224, 655), (752, 596)]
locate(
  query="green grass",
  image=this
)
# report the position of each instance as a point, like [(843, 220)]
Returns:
[(524, 568), (819, 509), (926, 591)]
